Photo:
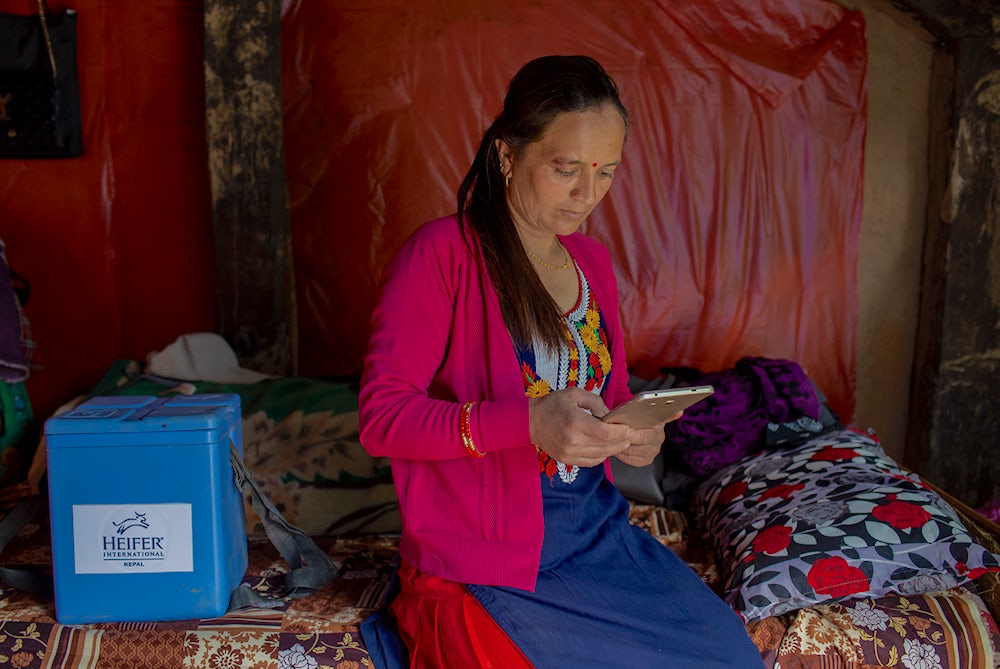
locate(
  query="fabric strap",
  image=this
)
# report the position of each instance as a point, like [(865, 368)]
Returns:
[(37, 583), (309, 567)]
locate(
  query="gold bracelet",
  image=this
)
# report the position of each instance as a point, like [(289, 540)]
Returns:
[(465, 429)]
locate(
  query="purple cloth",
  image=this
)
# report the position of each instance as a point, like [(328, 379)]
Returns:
[(991, 511), (731, 424), (13, 367)]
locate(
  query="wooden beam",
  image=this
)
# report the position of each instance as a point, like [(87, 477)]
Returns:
[(255, 294), (954, 433), (954, 19)]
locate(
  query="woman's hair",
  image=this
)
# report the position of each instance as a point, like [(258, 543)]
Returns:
[(540, 91)]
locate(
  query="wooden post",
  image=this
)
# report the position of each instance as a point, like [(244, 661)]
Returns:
[(953, 438), (255, 298)]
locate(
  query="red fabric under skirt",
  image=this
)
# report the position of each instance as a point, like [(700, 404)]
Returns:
[(443, 625)]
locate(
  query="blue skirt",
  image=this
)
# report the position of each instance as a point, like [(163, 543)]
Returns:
[(610, 595)]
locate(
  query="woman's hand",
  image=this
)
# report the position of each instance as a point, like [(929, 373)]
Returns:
[(566, 424), (645, 444)]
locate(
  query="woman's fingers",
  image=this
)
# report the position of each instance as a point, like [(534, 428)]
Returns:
[(566, 425)]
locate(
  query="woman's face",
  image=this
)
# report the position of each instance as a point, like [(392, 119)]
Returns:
[(557, 180)]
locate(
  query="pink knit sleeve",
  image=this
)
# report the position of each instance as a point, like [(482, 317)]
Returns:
[(407, 345), (420, 367)]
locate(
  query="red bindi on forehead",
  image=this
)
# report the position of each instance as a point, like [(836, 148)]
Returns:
[(595, 165)]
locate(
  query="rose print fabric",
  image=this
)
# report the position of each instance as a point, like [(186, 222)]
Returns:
[(832, 519)]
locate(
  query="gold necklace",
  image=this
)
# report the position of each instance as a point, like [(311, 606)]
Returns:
[(541, 262)]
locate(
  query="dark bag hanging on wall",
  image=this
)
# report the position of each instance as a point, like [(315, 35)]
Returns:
[(39, 92)]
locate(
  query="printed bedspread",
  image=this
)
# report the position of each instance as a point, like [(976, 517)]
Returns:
[(944, 630), (301, 444), (318, 631)]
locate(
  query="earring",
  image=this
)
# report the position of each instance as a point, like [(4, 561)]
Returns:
[(507, 179)]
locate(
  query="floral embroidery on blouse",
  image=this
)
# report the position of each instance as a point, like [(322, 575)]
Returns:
[(584, 362)]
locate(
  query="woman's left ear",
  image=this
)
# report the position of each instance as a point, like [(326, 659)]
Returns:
[(503, 152)]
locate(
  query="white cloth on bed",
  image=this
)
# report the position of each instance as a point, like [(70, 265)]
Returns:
[(201, 356)]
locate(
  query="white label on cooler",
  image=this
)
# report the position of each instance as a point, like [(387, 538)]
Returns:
[(132, 538)]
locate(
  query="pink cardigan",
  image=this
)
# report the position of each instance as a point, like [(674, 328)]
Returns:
[(438, 340)]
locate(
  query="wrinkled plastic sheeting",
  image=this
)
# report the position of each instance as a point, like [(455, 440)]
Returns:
[(733, 222)]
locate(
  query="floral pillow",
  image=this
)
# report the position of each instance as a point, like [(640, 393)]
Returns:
[(831, 519)]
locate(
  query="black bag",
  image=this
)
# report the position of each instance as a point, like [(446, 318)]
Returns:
[(39, 91)]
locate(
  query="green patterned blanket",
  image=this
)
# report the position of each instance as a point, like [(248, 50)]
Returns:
[(300, 442)]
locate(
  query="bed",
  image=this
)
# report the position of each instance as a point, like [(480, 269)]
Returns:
[(834, 556)]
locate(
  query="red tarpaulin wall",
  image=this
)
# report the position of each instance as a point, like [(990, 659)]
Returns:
[(117, 244), (733, 222)]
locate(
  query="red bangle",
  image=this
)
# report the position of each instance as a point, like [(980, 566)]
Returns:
[(465, 429)]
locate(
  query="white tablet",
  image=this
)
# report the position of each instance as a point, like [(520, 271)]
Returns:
[(652, 407)]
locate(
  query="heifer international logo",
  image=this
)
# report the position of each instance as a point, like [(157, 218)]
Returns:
[(137, 520), (117, 538), (130, 548)]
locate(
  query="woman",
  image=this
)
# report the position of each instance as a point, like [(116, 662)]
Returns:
[(495, 349)]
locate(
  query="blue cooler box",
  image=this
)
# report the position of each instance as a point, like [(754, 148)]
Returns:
[(147, 522)]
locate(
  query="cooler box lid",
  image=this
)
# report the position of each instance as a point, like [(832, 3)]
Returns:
[(120, 414)]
